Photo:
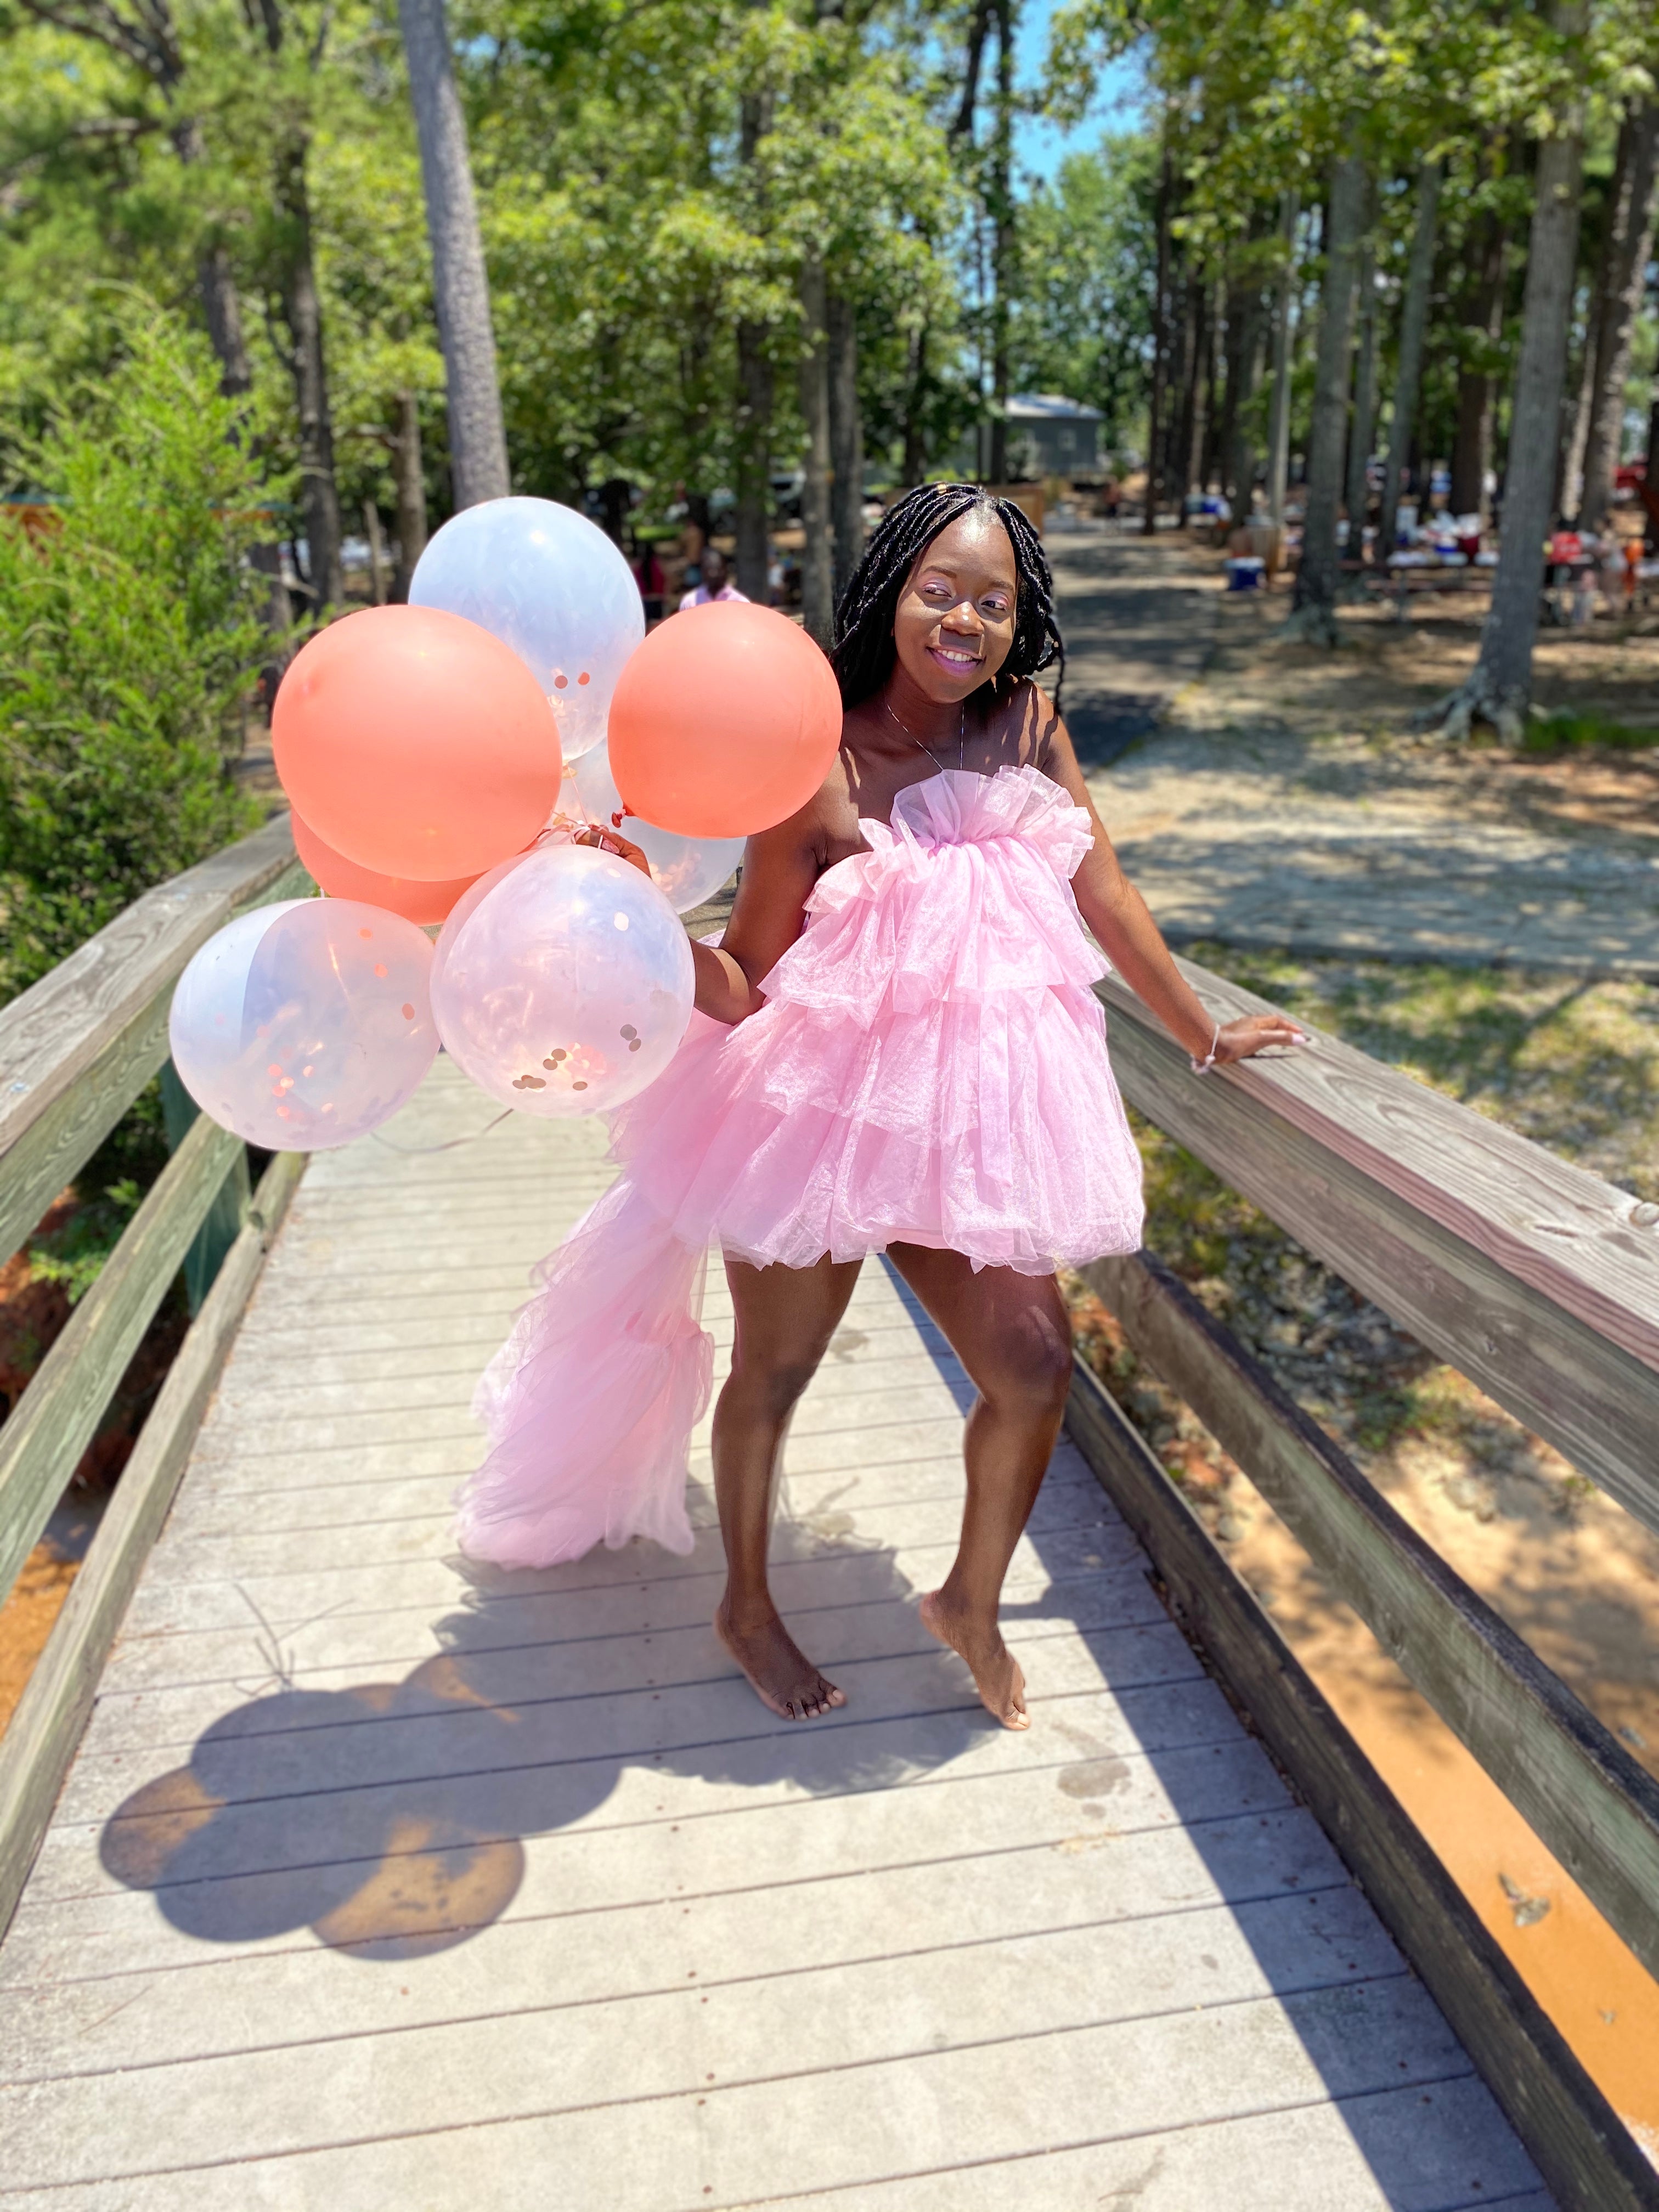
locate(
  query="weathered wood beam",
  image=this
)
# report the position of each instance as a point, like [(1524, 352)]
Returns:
[(1580, 2145), (77, 1047), (55, 1419), (1587, 1800), (1528, 1274), (40, 1741)]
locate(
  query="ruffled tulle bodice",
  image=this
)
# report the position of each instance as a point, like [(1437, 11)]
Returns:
[(929, 1067)]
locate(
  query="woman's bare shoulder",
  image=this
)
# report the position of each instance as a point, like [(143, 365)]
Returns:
[(1032, 729)]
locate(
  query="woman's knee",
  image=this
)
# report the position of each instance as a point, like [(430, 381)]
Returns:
[(768, 1388), (1031, 1373)]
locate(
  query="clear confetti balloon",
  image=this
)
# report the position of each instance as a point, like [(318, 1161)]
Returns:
[(549, 583), (685, 870), (304, 1024), (563, 986)]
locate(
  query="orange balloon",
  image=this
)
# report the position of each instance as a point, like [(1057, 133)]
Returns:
[(723, 721), (416, 743), (343, 878)]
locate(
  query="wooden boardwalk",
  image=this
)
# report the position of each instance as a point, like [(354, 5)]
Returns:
[(384, 1885)]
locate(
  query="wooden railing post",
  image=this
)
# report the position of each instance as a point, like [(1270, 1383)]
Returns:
[(222, 1223)]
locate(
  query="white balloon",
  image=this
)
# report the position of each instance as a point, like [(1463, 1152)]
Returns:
[(305, 1024), (685, 870), (549, 583), (564, 985)]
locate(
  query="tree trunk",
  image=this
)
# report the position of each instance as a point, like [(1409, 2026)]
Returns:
[(818, 567), (1158, 398), (846, 439), (1408, 370), (1239, 451), (914, 465), (1211, 459), (1278, 427), (1314, 618), (302, 313), (1002, 239), (376, 537), (1574, 417), (1484, 320), (408, 475), (478, 438), (1358, 495), (1628, 246), (1188, 437), (754, 396), (1499, 691)]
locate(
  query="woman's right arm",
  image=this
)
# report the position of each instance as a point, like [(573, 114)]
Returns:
[(780, 867)]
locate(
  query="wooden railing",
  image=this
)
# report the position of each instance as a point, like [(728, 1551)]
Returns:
[(1540, 1283), (75, 1052)]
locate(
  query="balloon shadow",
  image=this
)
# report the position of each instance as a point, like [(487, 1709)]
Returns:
[(390, 1817)]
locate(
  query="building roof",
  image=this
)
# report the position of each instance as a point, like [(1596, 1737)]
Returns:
[(1050, 406)]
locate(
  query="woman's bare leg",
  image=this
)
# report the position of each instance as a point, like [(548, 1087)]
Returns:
[(786, 1317), (1012, 1335)]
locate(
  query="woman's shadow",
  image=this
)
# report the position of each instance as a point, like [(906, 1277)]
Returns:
[(389, 1817)]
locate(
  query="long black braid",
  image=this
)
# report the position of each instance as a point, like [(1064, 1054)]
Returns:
[(863, 653)]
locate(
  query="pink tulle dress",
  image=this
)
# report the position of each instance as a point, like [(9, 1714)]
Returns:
[(929, 1068)]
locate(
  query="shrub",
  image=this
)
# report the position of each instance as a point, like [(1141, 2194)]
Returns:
[(129, 640)]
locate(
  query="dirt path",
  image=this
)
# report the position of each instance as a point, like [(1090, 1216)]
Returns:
[(1268, 796)]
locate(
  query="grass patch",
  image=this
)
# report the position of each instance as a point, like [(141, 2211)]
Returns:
[(1566, 730)]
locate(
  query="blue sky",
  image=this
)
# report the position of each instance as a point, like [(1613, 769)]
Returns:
[(1041, 146)]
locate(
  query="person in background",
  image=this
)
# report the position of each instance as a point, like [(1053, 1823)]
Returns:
[(653, 583), (715, 584)]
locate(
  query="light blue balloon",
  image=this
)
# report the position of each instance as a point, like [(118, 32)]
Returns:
[(549, 583), (305, 1024)]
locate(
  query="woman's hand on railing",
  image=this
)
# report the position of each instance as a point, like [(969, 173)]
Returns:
[(1249, 1035)]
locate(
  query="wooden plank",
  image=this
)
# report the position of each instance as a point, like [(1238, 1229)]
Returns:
[(703, 1993), (791, 2109), (1582, 1793), (1526, 1274), (54, 1419), (40, 1739), (1581, 2146), (961, 1894), (77, 1047), (919, 2135)]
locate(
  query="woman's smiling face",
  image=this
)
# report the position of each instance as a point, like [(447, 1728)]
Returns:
[(955, 623)]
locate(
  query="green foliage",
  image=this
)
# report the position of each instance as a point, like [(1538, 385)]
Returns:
[(1567, 731), (1083, 321), (129, 641), (74, 1254)]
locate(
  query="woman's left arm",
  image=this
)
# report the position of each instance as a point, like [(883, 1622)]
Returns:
[(1114, 910)]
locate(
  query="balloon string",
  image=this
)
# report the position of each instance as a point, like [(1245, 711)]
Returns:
[(423, 1151)]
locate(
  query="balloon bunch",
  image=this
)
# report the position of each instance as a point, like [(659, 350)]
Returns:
[(440, 759)]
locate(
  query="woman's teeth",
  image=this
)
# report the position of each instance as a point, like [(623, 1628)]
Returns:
[(960, 659)]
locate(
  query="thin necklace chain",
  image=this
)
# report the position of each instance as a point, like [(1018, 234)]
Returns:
[(962, 737)]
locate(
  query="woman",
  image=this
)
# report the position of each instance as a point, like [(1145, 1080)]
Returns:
[(896, 1049)]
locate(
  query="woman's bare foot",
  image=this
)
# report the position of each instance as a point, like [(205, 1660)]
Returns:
[(996, 1672), (781, 1675)]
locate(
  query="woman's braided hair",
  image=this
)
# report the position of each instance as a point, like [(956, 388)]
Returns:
[(863, 652)]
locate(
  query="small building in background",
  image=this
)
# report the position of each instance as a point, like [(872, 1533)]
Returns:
[(1050, 435)]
